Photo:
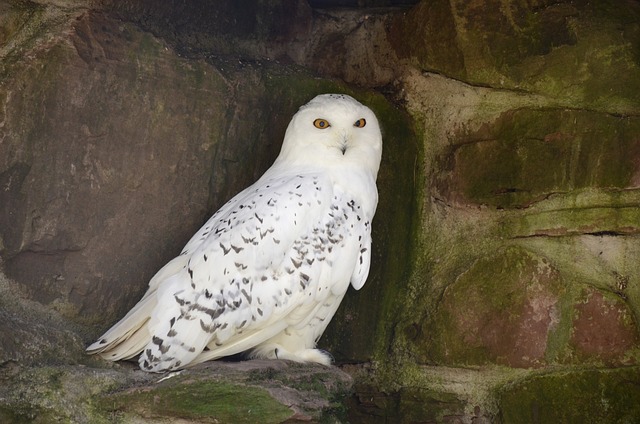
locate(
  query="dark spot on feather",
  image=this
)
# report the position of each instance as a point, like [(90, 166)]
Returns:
[(172, 333), (172, 321), (245, 294), (157, 340), (224, 249), (237, 249), (205, 327)]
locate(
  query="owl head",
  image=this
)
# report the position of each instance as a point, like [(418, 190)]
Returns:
[(333, 130)]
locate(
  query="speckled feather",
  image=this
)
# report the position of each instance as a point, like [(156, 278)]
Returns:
[(268, 270)]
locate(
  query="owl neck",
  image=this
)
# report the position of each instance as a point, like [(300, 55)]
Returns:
[(356, 180)]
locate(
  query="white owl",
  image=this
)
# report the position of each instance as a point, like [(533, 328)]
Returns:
[(268, 271)]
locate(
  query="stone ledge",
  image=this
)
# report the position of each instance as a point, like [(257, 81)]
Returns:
[(236, 392)]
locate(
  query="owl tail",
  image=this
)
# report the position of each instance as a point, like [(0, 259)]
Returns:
[(128, 336)]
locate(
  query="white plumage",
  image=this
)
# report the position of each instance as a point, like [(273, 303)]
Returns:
[(268, 271)]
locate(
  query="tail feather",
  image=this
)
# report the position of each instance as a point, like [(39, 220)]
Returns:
[(128, 336)]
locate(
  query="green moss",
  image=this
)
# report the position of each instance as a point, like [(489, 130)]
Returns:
[(591, 396), (420, 405), (589, 211), (21, 27), (580, 54), (528, 154), (220, 401)]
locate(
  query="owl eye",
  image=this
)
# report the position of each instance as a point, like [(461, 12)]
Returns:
[(321, 123), (360, 123)]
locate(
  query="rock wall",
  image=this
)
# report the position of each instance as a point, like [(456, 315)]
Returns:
[(505, 284)]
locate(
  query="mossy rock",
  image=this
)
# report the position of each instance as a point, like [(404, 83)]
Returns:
[(408, 405), (224, 392), (527, 155), (215, 401), (575, 53), (503, 310), (582, 396), (603, 329)]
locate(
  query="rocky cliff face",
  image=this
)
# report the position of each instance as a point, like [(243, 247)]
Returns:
[(506, 274)]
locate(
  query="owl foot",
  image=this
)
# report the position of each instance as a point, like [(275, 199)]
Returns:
[(305, 355), (276, 351)]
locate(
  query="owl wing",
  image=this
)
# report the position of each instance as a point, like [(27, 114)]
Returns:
[(270, 256)]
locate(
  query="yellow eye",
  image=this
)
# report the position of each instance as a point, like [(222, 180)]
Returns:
[(321, 123), (360, 123)]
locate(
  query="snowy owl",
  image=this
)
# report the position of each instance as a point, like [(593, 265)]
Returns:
[(267, 272)]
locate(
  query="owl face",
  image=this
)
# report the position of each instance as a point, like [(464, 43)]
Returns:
[(334, 129)]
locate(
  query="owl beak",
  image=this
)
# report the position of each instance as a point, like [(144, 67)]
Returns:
[(343, 142)]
